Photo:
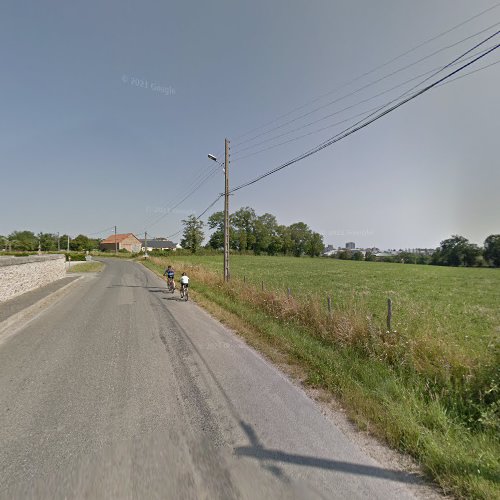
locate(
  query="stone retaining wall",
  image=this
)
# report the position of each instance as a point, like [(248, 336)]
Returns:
[(21, 274)]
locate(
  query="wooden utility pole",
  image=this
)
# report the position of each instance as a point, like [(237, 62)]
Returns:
[(68, 245), (58, 242), (145, 243), (226, 212), (116, 243)]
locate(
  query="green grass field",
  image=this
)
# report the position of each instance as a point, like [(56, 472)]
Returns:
[(458, 306)]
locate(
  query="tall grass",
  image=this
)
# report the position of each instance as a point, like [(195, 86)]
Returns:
[(433, 398)]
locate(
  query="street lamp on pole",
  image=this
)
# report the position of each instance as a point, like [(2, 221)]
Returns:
[(226, 207)]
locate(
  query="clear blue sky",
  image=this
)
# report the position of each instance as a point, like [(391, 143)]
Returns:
[(82, 148)]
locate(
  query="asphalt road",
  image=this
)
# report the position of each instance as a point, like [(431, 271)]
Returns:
[(120, 390)]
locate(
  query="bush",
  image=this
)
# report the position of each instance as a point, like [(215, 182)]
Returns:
[(357, 256)]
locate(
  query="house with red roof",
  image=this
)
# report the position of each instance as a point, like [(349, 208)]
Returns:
[(121, 242)]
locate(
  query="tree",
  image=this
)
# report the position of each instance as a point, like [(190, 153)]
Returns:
[(216, 221), (423, 259), (192, 233), (265, 229), (492, 249), (300, 234), (23, 240), (357, 255), (63, 241), (285, 239), (405, 257), (81, 243), (275, 245), (243, 222), (370, 256), (344, 255), (456, 251), (471, 254), (314, 245), (47, 241)]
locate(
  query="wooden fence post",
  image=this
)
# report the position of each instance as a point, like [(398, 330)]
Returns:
[(244, 279), (389, 314), (262, 286), (329, 300)]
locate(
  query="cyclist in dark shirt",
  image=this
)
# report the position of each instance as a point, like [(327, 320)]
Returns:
[(169, 273)]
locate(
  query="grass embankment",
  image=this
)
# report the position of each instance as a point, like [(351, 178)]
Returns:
[(86, 267), (429, 387)]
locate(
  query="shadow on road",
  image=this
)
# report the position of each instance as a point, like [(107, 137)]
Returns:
[(136, 286), (177, 299), (257, 450)]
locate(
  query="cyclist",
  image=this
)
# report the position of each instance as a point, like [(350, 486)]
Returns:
[(169, 273), (184, 282)]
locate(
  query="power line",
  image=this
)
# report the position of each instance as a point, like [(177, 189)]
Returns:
[(469, 73), (195, 182), (457, 59), (294, 139), (190, 193), (103, 231), (353, 129), (370, 84), (196, 185), (480, 55), (350, 82), (431, 72), (359, 125), (210, 206), (183, 197), (201, 215), (202, 173), (200, 176)]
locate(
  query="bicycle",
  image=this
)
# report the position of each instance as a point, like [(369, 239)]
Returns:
[(184, 291), (170, 285)]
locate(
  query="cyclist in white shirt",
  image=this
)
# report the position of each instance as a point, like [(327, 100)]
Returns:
[(184, 280), (184, 286)]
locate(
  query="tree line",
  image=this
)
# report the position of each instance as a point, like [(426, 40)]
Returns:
[(454, 251), (249, 232), (459, 251), (28, 241), (261, 234)]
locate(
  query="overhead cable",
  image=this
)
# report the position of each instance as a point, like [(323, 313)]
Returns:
[(356, 128), (373, 70)]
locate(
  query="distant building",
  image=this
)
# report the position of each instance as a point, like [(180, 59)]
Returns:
[(350, 245), (381, 255), (329, 251), (159, 244), (121, 242)]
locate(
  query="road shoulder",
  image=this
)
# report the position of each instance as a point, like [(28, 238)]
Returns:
[(19, 311)]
